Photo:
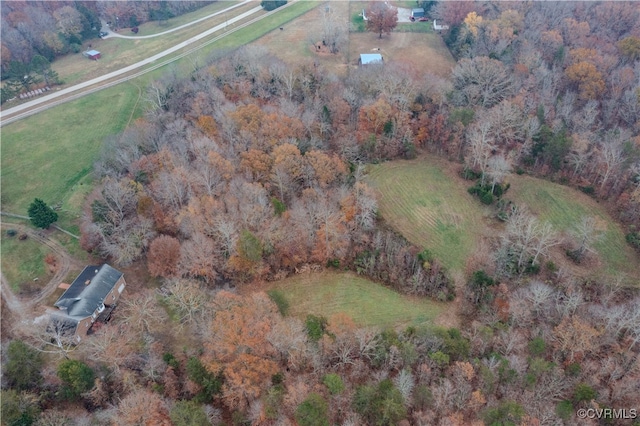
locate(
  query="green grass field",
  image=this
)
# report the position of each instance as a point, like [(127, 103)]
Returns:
[(50, 155), (414, 27), (22, 261), (429, 204), (564, 207), (366, 302)]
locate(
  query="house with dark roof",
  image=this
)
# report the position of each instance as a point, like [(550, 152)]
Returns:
[(91, 297)]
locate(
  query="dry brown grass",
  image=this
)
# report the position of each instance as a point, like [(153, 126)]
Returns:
[(298, 39), (425, 52)]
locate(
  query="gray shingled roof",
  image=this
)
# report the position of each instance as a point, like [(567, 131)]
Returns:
[(88, 290)]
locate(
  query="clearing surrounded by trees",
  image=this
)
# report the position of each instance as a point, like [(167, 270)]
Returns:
[(366, 302)]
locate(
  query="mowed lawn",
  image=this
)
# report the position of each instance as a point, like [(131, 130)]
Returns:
[(427, 202), (564, 208), (50, 155), (366, 302)]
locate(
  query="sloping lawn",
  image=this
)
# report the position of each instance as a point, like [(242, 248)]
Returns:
[(428, 203), (366, 302), (564, 208)]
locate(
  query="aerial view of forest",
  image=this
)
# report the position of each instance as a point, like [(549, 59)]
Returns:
[(320, 213)]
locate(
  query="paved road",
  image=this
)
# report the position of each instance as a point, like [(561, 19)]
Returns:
[(6, 115), (111, 34)]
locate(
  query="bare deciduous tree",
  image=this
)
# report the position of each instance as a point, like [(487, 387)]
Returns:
[(498, 167), (481, 81), (334, 30), (189, 299)]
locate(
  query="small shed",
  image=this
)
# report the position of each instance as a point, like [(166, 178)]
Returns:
[(417, 13), (93, 54), (370, 58)]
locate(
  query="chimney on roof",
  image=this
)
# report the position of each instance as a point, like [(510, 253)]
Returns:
[(96, 271), (87, 282)]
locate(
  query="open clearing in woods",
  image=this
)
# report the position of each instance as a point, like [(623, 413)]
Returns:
[(426, 201), (366, 302), (23, 261), (564, 208)]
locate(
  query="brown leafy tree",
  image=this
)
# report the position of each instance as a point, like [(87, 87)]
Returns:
[(575, 337), (163, 257), (142, 407), (381, 18), (238, 342)]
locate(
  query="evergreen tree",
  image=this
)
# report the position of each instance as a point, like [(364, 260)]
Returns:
[(41, 215)]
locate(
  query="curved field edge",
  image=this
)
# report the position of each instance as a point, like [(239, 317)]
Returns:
[(428, 203), (564, 208), (366, 302)]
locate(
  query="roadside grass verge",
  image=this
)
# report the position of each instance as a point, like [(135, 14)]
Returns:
[(366, 302), (22, 262), (119, 52), (155, 27), (564, 208), (428, 203)]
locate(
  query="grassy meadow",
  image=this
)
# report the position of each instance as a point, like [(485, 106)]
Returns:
[(564, 208), (366, 302), (23, 261), (426, 201)]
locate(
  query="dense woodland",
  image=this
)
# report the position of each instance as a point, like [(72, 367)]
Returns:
[(252, 169)]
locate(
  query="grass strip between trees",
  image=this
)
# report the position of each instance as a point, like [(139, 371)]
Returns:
[(366, 302)]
